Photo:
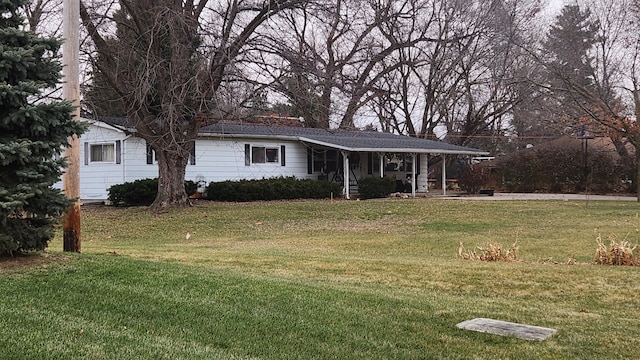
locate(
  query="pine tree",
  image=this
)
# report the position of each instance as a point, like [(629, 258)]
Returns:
[(571, 40), (32, 135), (569, 44)]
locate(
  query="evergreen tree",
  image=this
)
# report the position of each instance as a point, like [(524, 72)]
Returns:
[(569, 45), (570, 41), (32, 135)]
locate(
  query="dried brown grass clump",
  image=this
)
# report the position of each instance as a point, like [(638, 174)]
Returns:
[(493, 252), (618, 253)]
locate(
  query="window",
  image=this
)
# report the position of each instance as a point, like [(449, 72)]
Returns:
[(263, 155), (373, 163), (152, 157), (325, 161), (257, 155), (192, 155), (271, 154), (401, 162), (102, 153)]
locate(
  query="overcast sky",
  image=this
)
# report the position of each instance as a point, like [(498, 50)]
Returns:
[(555, 5)]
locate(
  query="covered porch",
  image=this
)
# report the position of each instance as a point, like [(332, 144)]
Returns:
[(409, 167)]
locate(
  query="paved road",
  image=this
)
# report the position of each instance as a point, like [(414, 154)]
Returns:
[(518, 196)]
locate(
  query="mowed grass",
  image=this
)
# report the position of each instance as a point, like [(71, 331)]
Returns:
[(324, 280)]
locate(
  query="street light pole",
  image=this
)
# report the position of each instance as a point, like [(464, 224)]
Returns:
[(71, 92), (584, 134)]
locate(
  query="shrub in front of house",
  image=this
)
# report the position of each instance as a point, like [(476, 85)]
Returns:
[(376, 187), (280, 188), (472, 178), (140, 192)]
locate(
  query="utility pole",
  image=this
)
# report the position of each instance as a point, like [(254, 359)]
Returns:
[(71, 92)]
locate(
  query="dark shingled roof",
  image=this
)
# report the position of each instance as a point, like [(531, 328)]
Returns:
[(350, 140)]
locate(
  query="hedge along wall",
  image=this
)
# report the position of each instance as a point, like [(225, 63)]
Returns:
[(281, 188)]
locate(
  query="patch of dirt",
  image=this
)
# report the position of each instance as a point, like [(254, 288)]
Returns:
[(29, 260)]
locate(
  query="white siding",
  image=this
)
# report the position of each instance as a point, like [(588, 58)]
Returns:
[(96, 178), (224, 159), (135, 159), (216, 160)]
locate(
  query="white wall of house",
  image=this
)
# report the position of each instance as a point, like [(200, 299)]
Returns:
[(123, 158), (109, 156), (135, 161), (225, 159), (99, 172)]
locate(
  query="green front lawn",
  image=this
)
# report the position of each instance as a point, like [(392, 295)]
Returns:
[(323, 280)]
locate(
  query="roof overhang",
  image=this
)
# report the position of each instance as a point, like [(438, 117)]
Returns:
[(391, 149), (337, 146), (351, 141), (103, 125)]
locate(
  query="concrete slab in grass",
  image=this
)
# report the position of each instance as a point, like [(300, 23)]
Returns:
[(504, 328)]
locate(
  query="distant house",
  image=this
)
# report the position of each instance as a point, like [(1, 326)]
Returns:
[(111, 153)]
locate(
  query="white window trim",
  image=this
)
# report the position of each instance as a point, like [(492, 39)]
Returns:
[(113, 146), (265, 148)]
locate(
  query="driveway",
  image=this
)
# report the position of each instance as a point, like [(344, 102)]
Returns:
[(522, 196)]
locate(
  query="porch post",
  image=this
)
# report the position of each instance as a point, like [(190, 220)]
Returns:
[(426, 167), (345, 171), (444, 174), (381, 164), (414, 167)]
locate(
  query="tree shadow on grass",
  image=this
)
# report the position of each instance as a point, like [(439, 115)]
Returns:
[(29, 260)]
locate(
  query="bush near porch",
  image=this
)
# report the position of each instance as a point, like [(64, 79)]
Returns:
[(376, 187)]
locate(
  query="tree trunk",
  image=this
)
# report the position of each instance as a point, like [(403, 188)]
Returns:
[(171, 176)]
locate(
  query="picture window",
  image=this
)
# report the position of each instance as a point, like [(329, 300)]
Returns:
[(102, 153), (263, 155)]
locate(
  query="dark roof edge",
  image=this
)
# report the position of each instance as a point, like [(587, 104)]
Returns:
[(298, 134)]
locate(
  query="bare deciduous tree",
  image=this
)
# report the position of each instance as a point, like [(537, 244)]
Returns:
[(168, 61), (338, 55), (44, 16), (466, 81)]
